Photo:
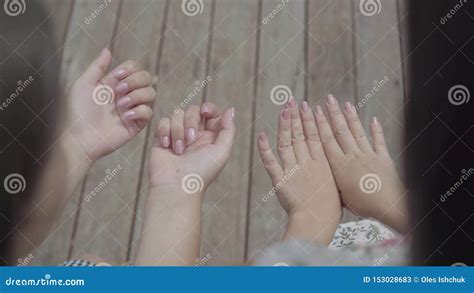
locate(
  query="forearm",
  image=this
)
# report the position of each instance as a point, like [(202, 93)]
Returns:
[(171, 229), (305, 226), (66, 167)]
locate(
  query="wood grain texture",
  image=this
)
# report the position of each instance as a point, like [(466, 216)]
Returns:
[(331, 66), (105, 232), (181, 69), (82, 44), (232, 66), (378, 57), (281, 63)]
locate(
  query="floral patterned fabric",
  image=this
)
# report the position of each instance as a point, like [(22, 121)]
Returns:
[(360, 233)]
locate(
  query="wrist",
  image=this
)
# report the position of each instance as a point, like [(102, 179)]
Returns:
[(306, 226), (173, 195), (75, 156)]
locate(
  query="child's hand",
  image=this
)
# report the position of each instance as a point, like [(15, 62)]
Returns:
[(191, 148), (304, 182), (107, 110), (365, 175)]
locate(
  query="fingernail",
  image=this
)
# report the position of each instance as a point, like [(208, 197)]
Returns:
[(232, 111), (104, 50), (319, 110), (119, 73), (304, 106), (124, 101), (165, 142), (291, 102), (348, 107), (204, 109), (121, 87), (285, 114), (261, 136), (191, 134), (331, 99), (375, 122), (129, 114), (178, 147)]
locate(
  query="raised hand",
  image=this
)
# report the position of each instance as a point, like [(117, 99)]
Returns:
[(304, 181), (195, 143), (108, 109), (365, 174)]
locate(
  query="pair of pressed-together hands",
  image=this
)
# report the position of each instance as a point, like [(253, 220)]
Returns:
[(329, 155)]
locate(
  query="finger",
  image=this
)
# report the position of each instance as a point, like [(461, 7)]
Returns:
[(98, 67), (311, 132), (380, 146), (356, 128), (209, 110), (297, 135), (134, 81), (339, 126), (120, 72), (225, 137), (141, 112), (140, 96), (164, 132), (177, 132), (331, 148), (285, 147), (192, 119), (268, 159)]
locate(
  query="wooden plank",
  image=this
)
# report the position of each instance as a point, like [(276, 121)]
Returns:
[(181, 69), (60, 11), (330, 44), (281, 64), (83, 43), (232, 65), (404, 29), (378, 56), (106, 220)]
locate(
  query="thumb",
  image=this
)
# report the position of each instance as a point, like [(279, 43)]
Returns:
[(225, 137), (98, 68)]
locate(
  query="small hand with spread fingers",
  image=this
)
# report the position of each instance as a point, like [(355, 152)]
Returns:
[(305, 185), (364, 173)]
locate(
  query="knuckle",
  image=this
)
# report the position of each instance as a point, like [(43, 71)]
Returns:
[(313, 136), (132, 65), (341, 131)]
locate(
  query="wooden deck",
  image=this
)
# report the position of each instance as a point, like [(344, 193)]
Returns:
[(314, 47)]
